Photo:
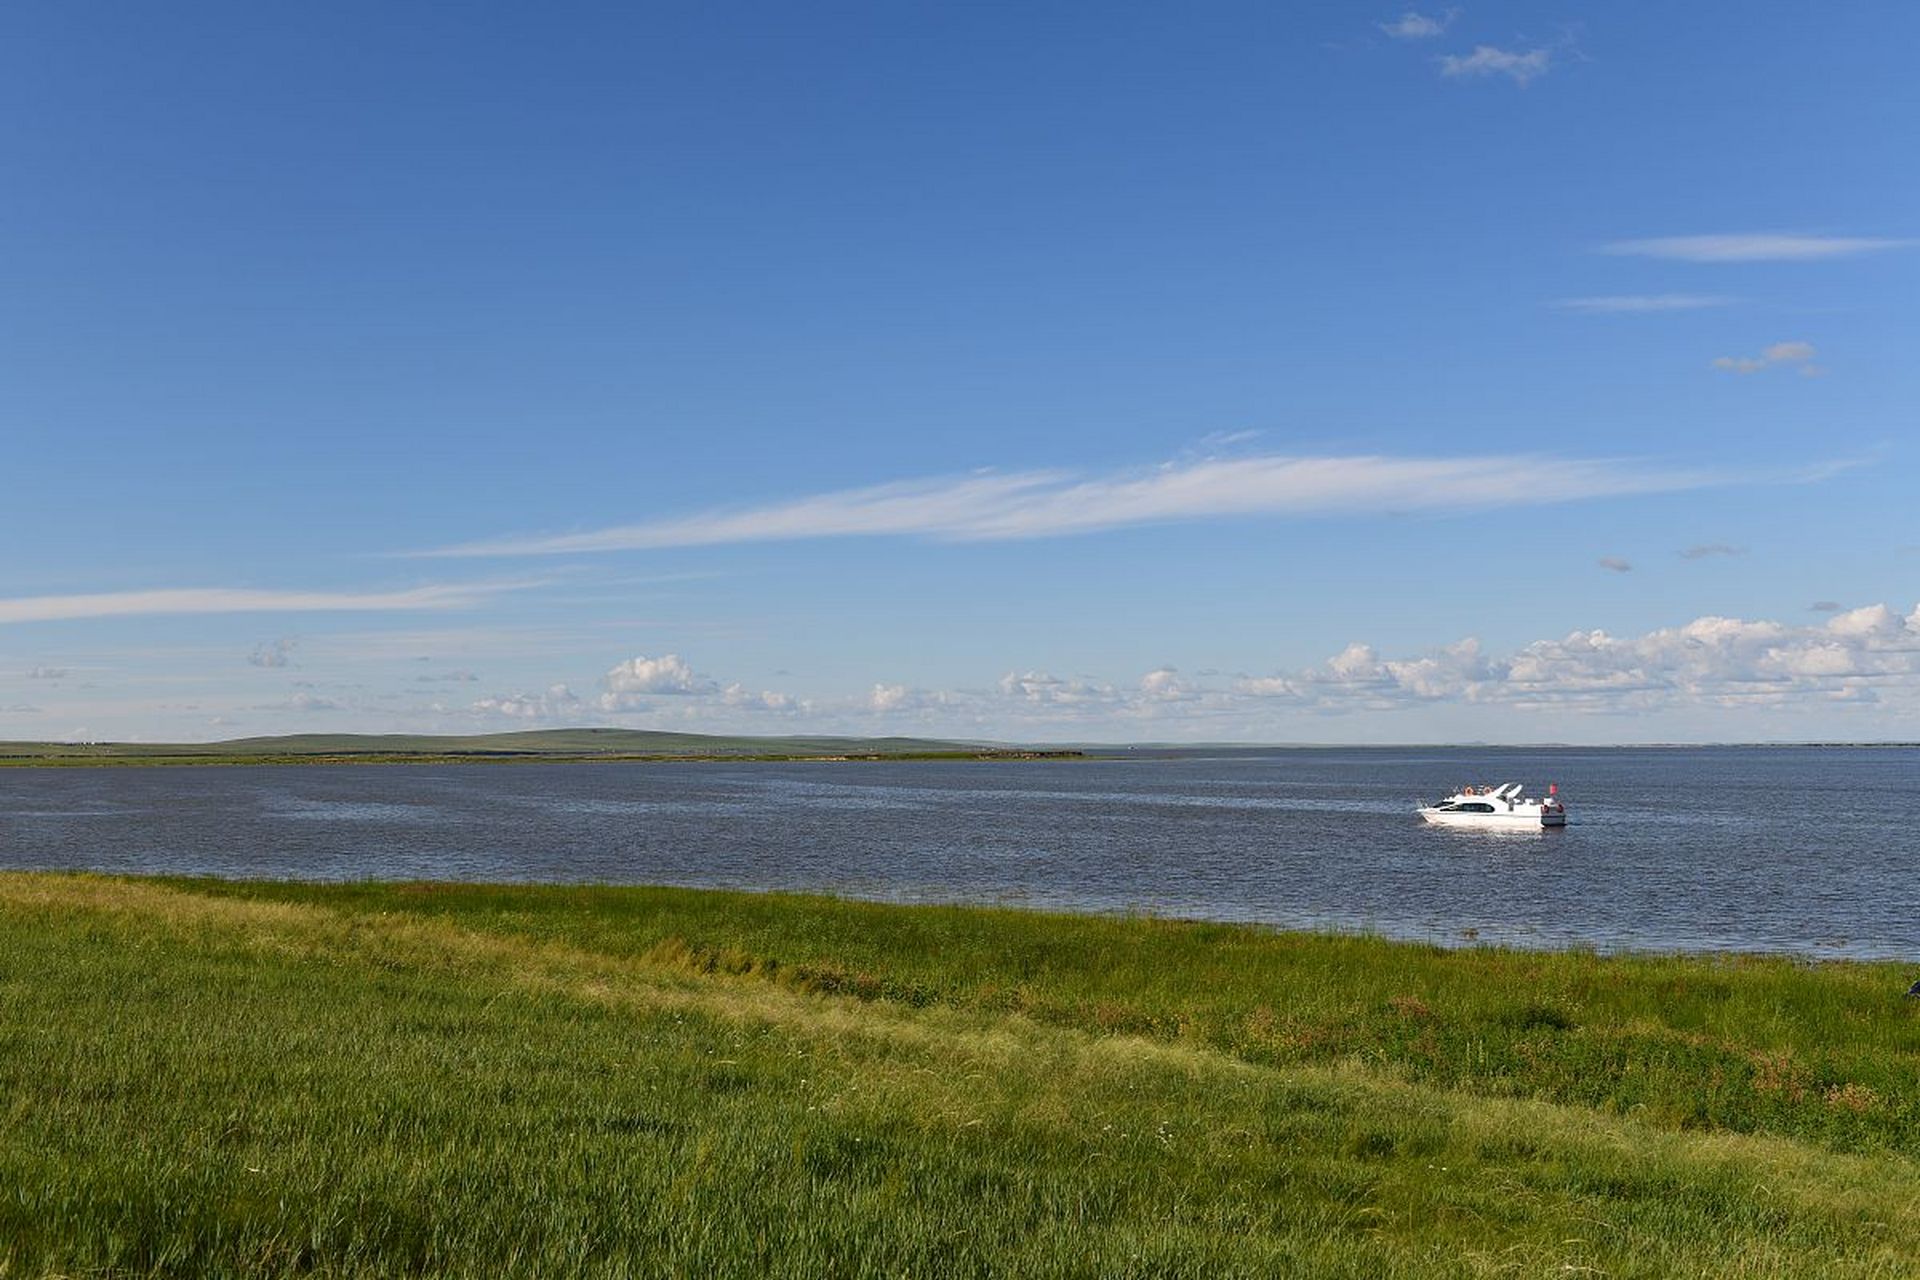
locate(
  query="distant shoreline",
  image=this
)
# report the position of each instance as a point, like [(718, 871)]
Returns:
[(640, 746), (109, 761)]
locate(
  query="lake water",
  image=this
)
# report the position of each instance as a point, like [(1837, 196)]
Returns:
[(1810, 850)]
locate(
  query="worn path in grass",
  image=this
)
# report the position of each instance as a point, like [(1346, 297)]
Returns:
[(357, 1080)]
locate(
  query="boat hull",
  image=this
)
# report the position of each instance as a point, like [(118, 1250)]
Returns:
[(1503, 821)]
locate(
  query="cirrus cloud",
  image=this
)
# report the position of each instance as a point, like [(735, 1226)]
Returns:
[(208, 600), (1642, 303), (1039, 504), (1753, 247)]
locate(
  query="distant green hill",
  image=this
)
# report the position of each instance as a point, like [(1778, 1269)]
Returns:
[(529, 744)]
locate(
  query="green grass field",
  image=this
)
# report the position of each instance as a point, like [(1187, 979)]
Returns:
[(268, 1079)]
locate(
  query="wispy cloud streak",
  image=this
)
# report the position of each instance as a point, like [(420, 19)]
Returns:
[(1039, 504), (1753, 247), (1638, 303), (192, 600)]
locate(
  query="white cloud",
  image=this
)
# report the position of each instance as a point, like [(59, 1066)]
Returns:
[(667, 674), (1614, 564), (303, 702), (49, 673), (1795, 355), (890, 697), (1037, 504), (557, 703), (740, 697), (1638, 303), (1741, 676), (1039, 688), (1417, 26), (274, 653), (1725, 662), (1164, 684), (195, 600), (1753, 247), (1858, 658), (887, 699), (641, 685), (1519, 66)]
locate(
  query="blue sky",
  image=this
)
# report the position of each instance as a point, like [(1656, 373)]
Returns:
[(1213, 372)]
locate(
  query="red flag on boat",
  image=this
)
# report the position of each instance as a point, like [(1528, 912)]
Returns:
[(1553, 788)]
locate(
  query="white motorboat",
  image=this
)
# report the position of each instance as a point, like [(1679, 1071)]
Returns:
[(1503, 806)]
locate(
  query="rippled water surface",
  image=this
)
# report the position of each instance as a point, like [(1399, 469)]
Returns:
[(1802, 849)]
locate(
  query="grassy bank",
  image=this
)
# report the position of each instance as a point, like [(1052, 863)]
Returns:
[(281, 1079)]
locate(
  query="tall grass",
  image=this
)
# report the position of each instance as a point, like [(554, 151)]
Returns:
[(212, 1078)]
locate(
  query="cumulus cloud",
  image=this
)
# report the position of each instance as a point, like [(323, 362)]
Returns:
[(1039, 688), (1857, 658), (556, 703), (1164, 684), (1860, 657), (1854, 656), (1794, 355), (1418, 26), (668, 674), (1753, 247), (641, 684), (1520, 66), (740, 697), (1640, 303), (1706, 550), (887, 699), (304, 701), (1038, 504), (200, 600), (273, 653), (1614, 564)]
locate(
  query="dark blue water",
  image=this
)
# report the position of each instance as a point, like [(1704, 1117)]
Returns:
[(1811, 850)]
